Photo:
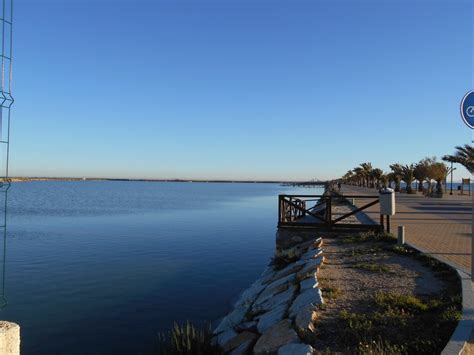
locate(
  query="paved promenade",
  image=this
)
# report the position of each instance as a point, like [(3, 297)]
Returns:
[(441, 227)]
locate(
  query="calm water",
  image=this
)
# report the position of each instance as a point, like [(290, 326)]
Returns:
[(107, 265)]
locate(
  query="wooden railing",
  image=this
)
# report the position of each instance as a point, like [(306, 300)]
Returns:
[(316, 211)]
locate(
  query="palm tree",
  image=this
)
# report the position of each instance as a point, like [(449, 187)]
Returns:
[(385, 180), (396, 175), (408, 176), (438, 172), (426, 168), (420, 174), (359, 176), (348, 176), (390, 179), (367, 169), (376, 176), (464, 155)]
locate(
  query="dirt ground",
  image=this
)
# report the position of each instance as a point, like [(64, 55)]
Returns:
[(355, 271)]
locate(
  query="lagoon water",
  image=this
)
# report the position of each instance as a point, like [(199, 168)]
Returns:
[(101, 267)]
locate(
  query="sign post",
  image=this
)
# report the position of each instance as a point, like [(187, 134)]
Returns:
[(467, 114), (467, 109)]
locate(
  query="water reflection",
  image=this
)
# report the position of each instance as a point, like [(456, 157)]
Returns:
[(4, 187)]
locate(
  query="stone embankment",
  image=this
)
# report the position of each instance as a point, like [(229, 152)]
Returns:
[(276, 313)]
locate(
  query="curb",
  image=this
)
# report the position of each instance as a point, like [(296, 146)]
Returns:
[(462, 333)]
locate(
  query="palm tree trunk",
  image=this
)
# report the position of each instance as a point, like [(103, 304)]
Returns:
[(420, 185), (439, 187)]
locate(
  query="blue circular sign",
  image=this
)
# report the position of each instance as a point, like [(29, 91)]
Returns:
[(467, 109)]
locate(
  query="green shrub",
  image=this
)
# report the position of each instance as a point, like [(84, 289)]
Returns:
[(186, 339)]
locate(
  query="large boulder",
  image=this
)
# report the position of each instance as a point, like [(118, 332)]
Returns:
[(296, 349), (244, 348), (269, 319), (275, 287), (232, 319), (310, 267), (289, 269), (284, 297), (251, 325), (305, 318), (310, 282), (238, 340), (310, 297), (224, 337), (312, 253), (275, 337), (250, 294)]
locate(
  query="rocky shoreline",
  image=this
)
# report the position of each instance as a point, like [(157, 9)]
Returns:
[(276, 313)]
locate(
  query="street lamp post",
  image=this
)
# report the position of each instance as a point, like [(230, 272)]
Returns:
[(451, 192)]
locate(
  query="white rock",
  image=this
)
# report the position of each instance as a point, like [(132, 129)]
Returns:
[(281, 281), (268, 270), (312, 253), (232, 319), (304, 320), (311, 297), (318, 243), (225, 337), (296, 349), (271, 318), (243, 348), (275, 337), (250, 294), (310, 267), (275, 287), (246, 326), (289, 269), (311, 282), (237, 341), (284, 297)]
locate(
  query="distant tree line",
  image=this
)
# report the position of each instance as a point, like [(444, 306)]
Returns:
[(428, 174)]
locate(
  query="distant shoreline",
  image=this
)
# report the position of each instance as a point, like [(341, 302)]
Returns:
[(26, 179)]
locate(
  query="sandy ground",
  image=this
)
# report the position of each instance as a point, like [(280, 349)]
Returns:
[(356, 286)]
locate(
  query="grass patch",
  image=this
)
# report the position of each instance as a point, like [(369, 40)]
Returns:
[(328, 290), (398, 249), (364, 251), (401, 324), (387, 322), (369, 237), (322, 306), (331, 292), (379, 347), (374, 267), (402, 303)]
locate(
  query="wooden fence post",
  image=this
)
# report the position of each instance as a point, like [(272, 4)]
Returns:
[(329, 211)]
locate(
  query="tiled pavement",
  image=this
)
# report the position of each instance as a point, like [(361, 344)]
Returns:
[(439, 226)]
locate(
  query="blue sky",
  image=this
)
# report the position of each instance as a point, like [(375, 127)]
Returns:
[(236, 89)]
